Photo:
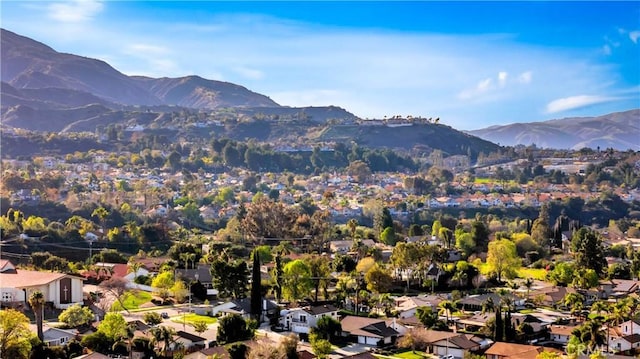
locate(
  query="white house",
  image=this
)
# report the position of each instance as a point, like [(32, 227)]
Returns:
[(16, 285), (445, 344), (560, 333), (301, 320), (189, 340)]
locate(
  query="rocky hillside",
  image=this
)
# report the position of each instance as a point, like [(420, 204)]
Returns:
[(620, 130)]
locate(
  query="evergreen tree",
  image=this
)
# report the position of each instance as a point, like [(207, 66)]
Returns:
[(256, 288), (498, 333), (589, 250)]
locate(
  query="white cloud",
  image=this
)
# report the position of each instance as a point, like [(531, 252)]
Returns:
[(575, 102), (634, 36), (249, 73), (525, 77), (606, 49), (74, 11), (134, 49), (502, 78)]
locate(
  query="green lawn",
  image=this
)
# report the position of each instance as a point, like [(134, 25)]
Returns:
[(524, 273), (535, 273), (132, 300), (412, 355), (192, 318)]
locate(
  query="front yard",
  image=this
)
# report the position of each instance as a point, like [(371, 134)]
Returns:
[(132, 300), (192, 318)]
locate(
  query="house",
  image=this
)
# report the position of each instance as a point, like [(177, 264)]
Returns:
[(618, 288), (475, 302), (407, 307), (211, 352), (368, 331), (550, 296), (447, 343), (560, 333), (201, 274), (301, 320), (190, 341), (243, 307), (94, 355), (55, 336), (500, 350), (60, 289)]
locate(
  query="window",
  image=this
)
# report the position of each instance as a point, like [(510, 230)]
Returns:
[(303, 318)]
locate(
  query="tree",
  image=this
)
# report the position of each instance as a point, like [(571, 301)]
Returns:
[(319, 272), (163, 334), (36, 301), (297, 280), (289, 346), (256, 288), (14, 334), (388, 236), (540, 230), (427, 316), (113, 326), (327, 328), (152, 318), (230, 279), (321, 347), (502, 259), (479, 235), (360, 171), (75, 316), (447, 307), (180, 291), (102, 215), (117, 286), (200, 326), (233, 328), (378, 280), (588, 249)]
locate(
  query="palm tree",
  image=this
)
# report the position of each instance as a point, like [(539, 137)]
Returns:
[(163, 334), (135, 267), (36, 301), (460, 277), (353, 225), (102, 215), (447, 307), (488, 305), (574, 301), (528, 283)]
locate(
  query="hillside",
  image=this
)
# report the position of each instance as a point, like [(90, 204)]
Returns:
[(620, 130), (47, 91)]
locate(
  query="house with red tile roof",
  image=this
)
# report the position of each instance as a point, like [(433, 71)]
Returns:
[(16, 285)]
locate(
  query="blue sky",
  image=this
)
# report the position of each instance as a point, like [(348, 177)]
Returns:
[(473, 64)]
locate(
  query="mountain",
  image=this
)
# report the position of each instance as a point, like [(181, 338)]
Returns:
[(28, 64), (620, 130), (44, 90)]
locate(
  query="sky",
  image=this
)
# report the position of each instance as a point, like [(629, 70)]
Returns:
[(472, 64)]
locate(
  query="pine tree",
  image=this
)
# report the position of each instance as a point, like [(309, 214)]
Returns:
[(256, 288)]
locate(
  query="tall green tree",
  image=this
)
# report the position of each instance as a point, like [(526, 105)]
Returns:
[(233, 328), (297, 280), (588, 249), (256, 288), (230, 279), (503, 259)]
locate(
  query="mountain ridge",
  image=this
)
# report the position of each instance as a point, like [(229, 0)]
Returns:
[(618, 130)]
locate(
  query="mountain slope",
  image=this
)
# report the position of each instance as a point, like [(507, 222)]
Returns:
[(196, 92), (620, 130), (28, 64)]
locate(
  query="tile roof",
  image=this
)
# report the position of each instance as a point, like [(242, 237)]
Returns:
[(511, 350), (27, 278)]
